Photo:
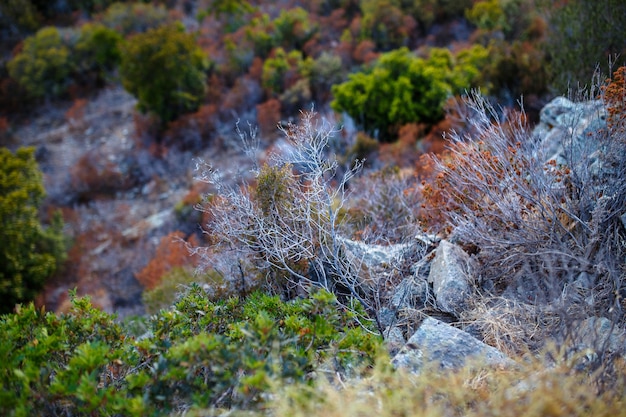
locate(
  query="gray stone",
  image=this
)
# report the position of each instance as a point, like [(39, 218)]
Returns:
[(600, 335), (449, 274), (148, 224), (410, 293), (563, 131), (386, 317), (439, 343), (394, 339), (374, 255)]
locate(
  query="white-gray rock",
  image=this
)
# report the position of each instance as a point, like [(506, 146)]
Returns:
[(436, 342), (563, 131), (450, 276)]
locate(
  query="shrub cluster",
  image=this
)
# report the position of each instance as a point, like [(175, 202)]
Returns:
[(401, 88), (199, 354), (165, 70), (548, 227)]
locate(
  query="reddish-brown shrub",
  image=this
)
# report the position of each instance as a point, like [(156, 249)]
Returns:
[(268, 116), (403, 152), (172, 252), (365, 52), (75, 115), (614, 96), (191, 131), (95, 174)]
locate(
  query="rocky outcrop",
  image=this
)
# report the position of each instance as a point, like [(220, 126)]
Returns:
[(450, 278), (439, 343), (564, 127), (373, 255)]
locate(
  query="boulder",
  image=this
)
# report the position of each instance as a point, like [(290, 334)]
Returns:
[(436, 342), (563, 130), (450, 277)]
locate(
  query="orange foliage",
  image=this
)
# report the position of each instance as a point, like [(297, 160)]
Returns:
[(256, 69), (365, 52), (75, 115), (403, 152), (268, 116), (614, 95), (172, 252)]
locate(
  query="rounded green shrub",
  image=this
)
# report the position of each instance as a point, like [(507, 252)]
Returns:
[(401, 88), (164, 69), (97, 49), (44, 65)]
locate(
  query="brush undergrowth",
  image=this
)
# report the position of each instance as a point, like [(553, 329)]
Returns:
[(532, 389)]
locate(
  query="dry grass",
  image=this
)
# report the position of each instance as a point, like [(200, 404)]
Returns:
[(530, 390)]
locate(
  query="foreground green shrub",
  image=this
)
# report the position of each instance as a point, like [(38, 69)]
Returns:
[(29, 253), (165, 69), (199, 354), (63, 365)]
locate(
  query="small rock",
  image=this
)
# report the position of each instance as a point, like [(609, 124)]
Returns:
[(449, 274)]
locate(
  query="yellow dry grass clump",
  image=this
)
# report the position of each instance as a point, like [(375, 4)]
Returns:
[(531, 389)]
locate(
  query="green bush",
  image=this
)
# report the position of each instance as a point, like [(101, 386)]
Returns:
[(63, 365), (199, 354), (282, 69), (97, 50), (19, 16), (401, 88), (385, 23), (131, 18), (44, 65), (30, 253), (165, 69), (290, 30)]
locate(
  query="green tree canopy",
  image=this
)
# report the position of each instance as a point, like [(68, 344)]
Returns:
[(402, 88), (30, 253), (584, 34), (165, 69), (44, 65)]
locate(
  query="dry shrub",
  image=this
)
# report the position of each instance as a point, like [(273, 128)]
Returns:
[(544, 233), (191, 131), (268, 116), (382, 207), (172, 252), (511, 326), (245, 94), (403, 152), (614, 96), (75, 115), (94, 174), (365, 52), (256, 69)]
